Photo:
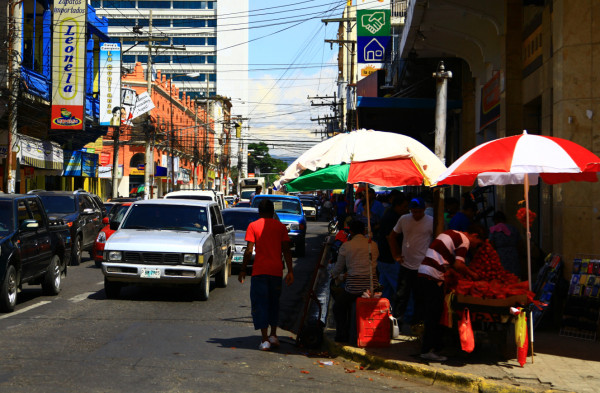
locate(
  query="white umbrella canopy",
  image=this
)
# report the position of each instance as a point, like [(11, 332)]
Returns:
[(365, 145)]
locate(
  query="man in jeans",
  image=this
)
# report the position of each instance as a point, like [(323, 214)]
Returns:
[(417, 231), (271, 239), (386, 265), (447, 251)]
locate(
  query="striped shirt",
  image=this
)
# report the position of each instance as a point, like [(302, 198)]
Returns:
[(354, 256), (448, 247)]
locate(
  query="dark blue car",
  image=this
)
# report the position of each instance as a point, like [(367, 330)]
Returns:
[(289, 210)]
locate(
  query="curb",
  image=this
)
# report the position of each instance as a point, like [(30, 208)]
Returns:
[(462, 381)]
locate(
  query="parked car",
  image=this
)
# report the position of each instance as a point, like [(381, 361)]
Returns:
[(124, 199), (100, 204), (289, 210), (115, 215), (230, 199), (313, 201), (109, 205), (240, 219), (168, 242), (199, 195), (80, 212), (310, 209), (34, 249)]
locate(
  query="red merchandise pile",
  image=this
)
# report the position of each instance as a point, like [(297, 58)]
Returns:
[(522, 217), (494, 282)]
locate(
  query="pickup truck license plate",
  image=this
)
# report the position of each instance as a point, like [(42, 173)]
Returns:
[(150, 273), (238, 258)]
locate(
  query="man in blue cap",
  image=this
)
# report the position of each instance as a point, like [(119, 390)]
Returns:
[(417, 231)]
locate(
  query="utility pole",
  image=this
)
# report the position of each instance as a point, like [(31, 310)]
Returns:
[(148, 156), (343, 82), (327, 120), (441, 77), (195, 174), (206, 150), (14, 78), (149, 142), (173, 179)]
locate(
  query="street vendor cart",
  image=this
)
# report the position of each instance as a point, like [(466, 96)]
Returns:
[(491, 319)]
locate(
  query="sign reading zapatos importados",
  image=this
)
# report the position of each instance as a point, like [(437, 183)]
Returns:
[(68, 71)]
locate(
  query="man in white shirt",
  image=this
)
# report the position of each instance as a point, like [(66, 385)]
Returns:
[(417, 229)]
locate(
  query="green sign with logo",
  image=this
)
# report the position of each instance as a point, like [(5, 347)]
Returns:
[(373, 22)]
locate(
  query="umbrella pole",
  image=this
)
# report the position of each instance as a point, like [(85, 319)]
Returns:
[(528, 234), (531, 333), (368, 207)]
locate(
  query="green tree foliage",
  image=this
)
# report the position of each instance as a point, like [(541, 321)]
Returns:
[(259, 157)]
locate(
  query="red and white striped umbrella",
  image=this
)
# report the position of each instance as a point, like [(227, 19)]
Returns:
[(508, 160), (523, 159)]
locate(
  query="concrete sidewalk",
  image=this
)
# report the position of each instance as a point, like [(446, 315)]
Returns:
[(560, 364)]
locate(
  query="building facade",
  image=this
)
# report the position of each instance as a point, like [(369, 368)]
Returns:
[(206, 48), (43, 157), (517, 65), (190, 148)]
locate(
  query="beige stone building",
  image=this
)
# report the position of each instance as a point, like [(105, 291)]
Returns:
[(517, 65)]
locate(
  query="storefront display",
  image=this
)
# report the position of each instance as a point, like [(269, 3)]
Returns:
[(582, 309)]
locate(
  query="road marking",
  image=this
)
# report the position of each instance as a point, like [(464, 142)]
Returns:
[(100, 283), (25, 309), (80, 297)]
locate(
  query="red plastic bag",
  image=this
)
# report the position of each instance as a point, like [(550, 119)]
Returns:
[(465, 331)]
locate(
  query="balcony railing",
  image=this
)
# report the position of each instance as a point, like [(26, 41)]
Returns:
[(399, 8)]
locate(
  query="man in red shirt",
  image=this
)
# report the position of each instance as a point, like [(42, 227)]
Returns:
[(271, 239)]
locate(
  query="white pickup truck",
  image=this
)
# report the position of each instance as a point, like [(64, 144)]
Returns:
[(169, 242)]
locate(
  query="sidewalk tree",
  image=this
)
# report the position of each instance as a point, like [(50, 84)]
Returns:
[(259, 157)]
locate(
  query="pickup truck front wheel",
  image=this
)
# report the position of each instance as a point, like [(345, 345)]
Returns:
[(203, 290), (8, 291), (112, 289), (52, 280), (222, 278)]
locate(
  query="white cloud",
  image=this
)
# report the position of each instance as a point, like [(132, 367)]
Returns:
[(280, 112)]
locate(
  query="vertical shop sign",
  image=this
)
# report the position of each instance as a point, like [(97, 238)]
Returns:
[(373, 22), (110, 84), (68, 71), (490, 101)]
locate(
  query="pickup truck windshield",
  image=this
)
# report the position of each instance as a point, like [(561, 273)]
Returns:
[(193, 197), (246, 194), (306, 202), (239, 219), (6, 219), (281, 205), (59, 204), (167, 217)]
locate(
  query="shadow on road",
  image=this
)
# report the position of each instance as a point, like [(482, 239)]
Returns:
[(151, 293), (287, 346)]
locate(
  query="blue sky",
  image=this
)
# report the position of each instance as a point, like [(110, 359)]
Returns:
[(287, 66)]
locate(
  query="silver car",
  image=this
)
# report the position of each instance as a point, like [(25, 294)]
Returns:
[(240, 218)]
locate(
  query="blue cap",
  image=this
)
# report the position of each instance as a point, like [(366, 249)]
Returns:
[(416, 203)]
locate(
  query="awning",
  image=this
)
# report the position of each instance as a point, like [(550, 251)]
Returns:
[(40, 154)]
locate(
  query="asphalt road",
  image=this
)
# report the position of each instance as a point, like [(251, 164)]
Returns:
[(161, 339)]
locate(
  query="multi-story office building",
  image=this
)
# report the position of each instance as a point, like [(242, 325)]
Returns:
[(192, 32)]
